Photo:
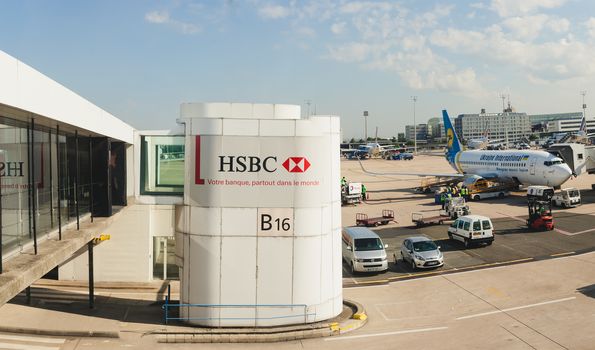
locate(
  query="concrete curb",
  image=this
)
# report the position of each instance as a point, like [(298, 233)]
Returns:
[(344, 323), (60, 332)]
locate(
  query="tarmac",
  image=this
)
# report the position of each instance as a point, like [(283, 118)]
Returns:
[(124, 308)]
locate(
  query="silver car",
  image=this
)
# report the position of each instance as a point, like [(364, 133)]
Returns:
[(421, 252)]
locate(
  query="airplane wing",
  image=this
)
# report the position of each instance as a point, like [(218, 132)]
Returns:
[(408, 174)]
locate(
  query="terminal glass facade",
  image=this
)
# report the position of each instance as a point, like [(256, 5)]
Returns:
[(42, 176)]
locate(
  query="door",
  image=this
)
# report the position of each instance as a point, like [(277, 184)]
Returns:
[(532, 165)]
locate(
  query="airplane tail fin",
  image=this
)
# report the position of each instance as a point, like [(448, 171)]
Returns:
[(453, 145), (583, 128)]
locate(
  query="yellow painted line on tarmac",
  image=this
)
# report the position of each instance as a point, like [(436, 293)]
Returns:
[(441, 272), (372, 282), (562, 254)]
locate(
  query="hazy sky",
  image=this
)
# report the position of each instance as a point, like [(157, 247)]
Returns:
[(140, 59)]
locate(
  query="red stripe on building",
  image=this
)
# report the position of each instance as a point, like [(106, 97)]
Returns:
[(197, 179)]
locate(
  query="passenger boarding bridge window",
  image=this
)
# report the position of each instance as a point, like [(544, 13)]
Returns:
[(162, 165)]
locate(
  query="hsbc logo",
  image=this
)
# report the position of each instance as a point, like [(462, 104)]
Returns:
[(254, 164), (296, 164)]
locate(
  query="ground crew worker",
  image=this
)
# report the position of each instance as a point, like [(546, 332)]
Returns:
[(442, 199), (343, 181), (364, 192)]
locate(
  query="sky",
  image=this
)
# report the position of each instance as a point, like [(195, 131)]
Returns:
[(140, 59)]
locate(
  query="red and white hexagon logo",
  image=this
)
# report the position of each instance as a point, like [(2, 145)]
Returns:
[(296, 164)]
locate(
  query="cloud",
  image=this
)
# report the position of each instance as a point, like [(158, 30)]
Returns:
[(274, 11), (158, 17), (163, 17), (590, 24), (441, 48), (507, 8), (527, 27), (351, 52), (338, 28), (553, 60)]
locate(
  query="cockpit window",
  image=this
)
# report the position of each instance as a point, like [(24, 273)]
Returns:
[(553, 162)]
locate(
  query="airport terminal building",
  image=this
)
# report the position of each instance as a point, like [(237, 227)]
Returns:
[(237, 200)]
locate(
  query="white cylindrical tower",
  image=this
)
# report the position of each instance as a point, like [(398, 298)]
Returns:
[(258, 238)]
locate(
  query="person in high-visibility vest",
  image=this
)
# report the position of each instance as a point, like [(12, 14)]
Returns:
[(364, 192), (442, 199)]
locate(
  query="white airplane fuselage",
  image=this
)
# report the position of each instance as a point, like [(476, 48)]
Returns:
[(526, 167)]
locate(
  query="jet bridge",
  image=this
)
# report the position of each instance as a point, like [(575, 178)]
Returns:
[(579, 157)]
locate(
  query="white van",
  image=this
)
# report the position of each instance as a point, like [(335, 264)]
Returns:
[(472, 229), (363, 250)]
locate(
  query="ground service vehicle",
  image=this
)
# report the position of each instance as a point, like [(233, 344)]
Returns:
[(455, 207), (567, 198), (351, 193), (421, 252), (540, 214), (472, 229), (540, 192), (363, 250), (362, 219)]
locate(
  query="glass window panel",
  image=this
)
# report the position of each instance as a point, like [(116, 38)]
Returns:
[(162, 165)]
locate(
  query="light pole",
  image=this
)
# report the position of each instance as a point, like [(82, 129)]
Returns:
[(366, 126), (414, 98)]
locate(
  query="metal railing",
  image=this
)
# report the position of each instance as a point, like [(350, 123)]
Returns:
[(304, 315)]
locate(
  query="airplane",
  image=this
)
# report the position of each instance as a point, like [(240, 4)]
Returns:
[(526, 167), (368, 150)]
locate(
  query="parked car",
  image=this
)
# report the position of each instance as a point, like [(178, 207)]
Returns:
[(472, 229), (421, 252)]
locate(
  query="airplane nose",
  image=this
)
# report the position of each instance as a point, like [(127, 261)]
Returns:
[(564, 172)]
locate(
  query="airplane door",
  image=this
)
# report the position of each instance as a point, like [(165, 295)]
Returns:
[(532, 166)]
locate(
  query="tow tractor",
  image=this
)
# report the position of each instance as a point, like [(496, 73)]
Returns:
[(540, 213)]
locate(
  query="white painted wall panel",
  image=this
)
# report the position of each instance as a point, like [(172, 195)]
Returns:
[(274, 261), (308, 221), (306, 270), (242, 110), (277, 128), (326, 267), (238, 279), (283, 111), (239, 221), (162, 220), (263, 111), (207, 126), (205, 221), (337, 263), (203, 271), (240, 127), (306, 129)]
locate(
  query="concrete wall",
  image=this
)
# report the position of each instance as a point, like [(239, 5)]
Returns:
[(128, 255)]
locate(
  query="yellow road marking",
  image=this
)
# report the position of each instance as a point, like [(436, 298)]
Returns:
[(562, 254)]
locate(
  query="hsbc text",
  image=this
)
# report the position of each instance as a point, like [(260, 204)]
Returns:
[(250, 164)]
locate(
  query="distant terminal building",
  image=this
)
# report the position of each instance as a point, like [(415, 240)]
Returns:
[(437, 128), (506, 125), (560, 122), (423, 130)]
